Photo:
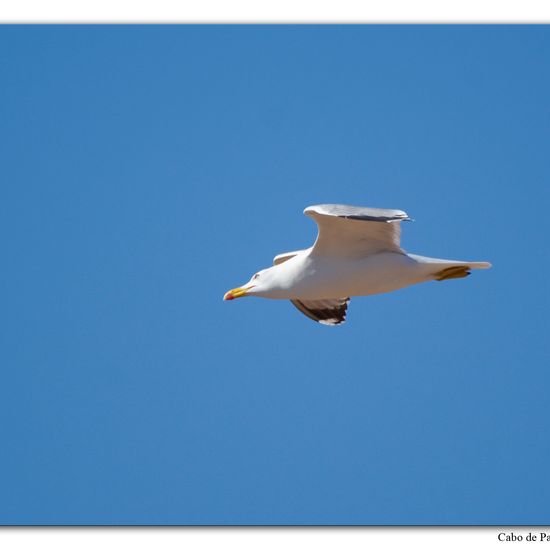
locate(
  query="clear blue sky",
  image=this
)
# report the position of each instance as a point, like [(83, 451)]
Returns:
[(147, 170)]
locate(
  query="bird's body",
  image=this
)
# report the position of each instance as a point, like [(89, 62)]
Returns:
[(357, 253), (316, 277)]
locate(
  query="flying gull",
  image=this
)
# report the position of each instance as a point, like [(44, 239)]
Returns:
[(357, 253)]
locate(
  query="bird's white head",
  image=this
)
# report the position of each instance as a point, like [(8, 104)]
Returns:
[(264, 283)]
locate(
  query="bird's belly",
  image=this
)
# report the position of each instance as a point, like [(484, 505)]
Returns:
[(374, 274)]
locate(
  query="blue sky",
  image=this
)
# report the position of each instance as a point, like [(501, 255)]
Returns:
[(147, 170)]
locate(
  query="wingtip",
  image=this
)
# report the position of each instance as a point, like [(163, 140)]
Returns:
[(329, 323), (309, 209), (400, 219)]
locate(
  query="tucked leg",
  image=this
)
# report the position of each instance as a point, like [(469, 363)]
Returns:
[(455, 272)]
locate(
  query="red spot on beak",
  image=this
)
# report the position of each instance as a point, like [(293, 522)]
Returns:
[(228, 296)]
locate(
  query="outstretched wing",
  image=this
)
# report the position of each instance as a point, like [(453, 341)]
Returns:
[(348, 231), (327, 312)]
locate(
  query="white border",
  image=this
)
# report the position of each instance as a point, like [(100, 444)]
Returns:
[(281, 11), (379, 538)]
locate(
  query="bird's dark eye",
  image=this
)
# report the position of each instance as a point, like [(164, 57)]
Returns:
[(255, 276)]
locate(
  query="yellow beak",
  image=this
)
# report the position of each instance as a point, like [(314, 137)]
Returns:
[(235, 293)]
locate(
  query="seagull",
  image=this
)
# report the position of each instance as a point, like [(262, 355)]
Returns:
[(357, 253)]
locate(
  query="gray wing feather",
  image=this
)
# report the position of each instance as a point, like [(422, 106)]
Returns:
[(364, 213)]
